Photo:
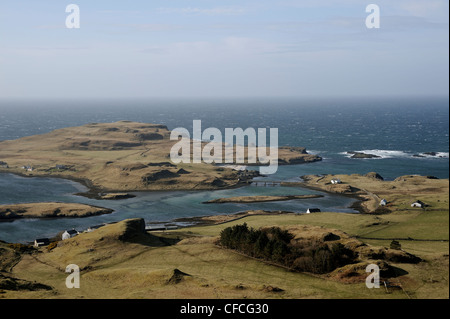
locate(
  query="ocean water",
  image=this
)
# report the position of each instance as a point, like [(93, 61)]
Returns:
[(397, 130)]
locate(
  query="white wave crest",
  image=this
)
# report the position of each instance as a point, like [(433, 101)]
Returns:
[(382, 154), (434, 155)]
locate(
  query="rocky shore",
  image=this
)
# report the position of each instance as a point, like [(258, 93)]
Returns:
[(362, 155)]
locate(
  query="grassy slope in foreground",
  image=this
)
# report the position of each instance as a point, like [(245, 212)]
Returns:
[(122, 156)]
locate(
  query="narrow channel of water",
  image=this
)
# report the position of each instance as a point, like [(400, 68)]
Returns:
[(154, 207)]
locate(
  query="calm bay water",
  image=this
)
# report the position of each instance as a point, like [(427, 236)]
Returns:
[(396, 130)]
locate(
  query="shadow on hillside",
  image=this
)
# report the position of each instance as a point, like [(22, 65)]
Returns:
[(153, 240)]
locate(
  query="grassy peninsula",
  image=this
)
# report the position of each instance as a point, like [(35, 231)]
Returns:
[(122, 157), (50, 210)]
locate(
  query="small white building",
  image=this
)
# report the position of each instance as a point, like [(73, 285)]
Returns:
[(313, 210), (69, 234), (418, 204), (336, 181), (41, 242), (383, 202)]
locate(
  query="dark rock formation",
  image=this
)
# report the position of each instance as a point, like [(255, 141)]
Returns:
[(182, 171), (177, 276), (15, 284), (374, 175), (218, 182), (133, 228), (152, 177), (362, 155), (149, 136), (331, 237)]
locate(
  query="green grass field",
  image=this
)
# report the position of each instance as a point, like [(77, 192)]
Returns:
[(126, 270)]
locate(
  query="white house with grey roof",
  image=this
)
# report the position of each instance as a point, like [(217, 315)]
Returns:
[(69, 234)]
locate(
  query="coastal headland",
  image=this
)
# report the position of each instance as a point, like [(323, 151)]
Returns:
[(122, 157), (371, 189)]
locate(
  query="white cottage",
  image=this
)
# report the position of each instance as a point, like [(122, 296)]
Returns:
[(336, 181), (418, 204), (383, 202), (313, 210), (69, 234)]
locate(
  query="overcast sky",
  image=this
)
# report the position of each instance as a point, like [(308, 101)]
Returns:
[(245, 48)]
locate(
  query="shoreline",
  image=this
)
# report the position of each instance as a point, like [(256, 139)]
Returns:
[(260, 199), (50, 210), (357, 205), (94, 192), (223, 218), (185, 222)]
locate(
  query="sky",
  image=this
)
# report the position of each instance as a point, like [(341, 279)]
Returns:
[(217, 49)]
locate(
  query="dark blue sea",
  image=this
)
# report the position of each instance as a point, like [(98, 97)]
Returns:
[(400, 131)]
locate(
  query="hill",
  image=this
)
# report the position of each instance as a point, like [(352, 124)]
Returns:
[(121, 260)]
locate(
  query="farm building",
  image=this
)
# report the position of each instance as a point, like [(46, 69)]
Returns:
[(69, 234), (418, 204), (313, 210), (41, 242)]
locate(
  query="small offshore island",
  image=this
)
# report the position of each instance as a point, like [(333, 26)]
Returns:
[(50, 210)]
